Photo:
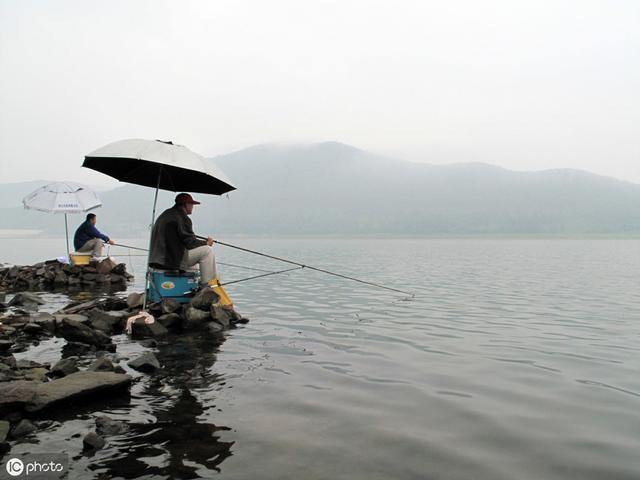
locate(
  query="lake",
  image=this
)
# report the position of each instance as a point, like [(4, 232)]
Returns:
[(515, 359)]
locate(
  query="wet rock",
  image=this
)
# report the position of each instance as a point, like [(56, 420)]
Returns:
[(77, 332), (25, 427), (107, 322), (79, 384), (140, 329), (92, 441), (64, 367), (45, 320), (170, 305), (135, 300), (26, 363), (102, 364), (27, 300), (71, 316), (194, 318), (5, 345), (9, 360), (222, 315), (115, 303), (109, 426), (76, 349), (37, 374), (204, 299), (32, 329), (17, 393), (148, 343), (4, 430), (171, 321), (146, 363), (214, 328)]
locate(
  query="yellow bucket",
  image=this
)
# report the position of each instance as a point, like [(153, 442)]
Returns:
[(225, 299), (80, 258)]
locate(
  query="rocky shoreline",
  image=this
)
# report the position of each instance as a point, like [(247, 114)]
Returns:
[(30, 391)]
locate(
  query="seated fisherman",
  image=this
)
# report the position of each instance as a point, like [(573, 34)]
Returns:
[(174, 246), (88, 238)]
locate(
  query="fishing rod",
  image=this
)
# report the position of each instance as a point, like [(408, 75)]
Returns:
[(260, 276), (219, 263), (302, 265)]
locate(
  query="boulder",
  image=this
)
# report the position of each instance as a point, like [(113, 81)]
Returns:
[(71, 316), (147, 363), (26, 299), (45, 320), (5, 345), (194, 318), (92, 441), (170, 305), (222, 315), (64, 367), (17, 393), (214, 328), (9, 360), (135, 300), (4, 430), (24, 428), (32, 329), (109, 426), (79, 384), (140, 329), (105, 266), (102, 364), (76, 332), (204, 299), (107, 322), (171, 321)]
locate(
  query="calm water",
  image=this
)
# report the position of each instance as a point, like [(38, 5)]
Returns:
[(517, 359)]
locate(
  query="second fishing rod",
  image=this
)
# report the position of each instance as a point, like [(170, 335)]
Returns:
[(302, 265)]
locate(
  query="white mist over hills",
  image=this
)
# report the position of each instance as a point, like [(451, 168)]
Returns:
[(332, 188)]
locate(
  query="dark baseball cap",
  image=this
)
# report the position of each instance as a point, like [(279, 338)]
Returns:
[(184, 198)]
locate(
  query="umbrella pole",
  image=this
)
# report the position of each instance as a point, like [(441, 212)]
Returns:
[(153, 219), (66, 232)]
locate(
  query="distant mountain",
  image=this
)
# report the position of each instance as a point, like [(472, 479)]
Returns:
[(332, 188)]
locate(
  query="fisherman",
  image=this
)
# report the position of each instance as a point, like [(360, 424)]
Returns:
[(88, 238), (174, 246)]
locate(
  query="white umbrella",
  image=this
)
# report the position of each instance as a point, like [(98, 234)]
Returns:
[(160, 165), (62, 197)]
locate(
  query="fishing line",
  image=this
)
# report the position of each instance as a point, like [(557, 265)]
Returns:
[(260, 276), (307, 266)]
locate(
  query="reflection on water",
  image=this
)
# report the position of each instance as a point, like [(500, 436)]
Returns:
[(178, 444)]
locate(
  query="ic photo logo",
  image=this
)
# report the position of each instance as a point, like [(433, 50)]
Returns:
[(15, 467), (37, 466)]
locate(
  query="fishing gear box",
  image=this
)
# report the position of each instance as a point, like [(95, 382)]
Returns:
[(179, 286)]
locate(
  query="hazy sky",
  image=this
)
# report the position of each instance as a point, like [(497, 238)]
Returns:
[(526, 85)]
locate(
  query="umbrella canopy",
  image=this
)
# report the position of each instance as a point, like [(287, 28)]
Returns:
[(62, 197), (158, 164)]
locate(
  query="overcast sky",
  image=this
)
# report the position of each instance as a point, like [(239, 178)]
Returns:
[(527, 85)]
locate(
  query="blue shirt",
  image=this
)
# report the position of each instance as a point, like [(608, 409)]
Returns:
[(85, 232)]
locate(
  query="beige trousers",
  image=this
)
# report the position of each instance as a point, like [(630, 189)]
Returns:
[(206, 260), (94, 246)]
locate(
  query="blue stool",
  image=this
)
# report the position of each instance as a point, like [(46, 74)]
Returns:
[(180, 286)]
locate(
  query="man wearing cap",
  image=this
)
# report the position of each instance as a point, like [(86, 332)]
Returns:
[(174, 246)]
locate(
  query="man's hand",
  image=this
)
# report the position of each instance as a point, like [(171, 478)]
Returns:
[(111, 242), (209, 241)]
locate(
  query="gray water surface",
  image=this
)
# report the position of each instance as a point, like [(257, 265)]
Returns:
[(516, 359)]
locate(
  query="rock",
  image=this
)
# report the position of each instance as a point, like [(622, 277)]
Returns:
[(5, 345), (148, 343), (170, 305), (194, 318), (72, 316), (107, 322), (120, 269), (222, 316), (17, 393), (204, 299), (105, 266), (140, 329), (32, 329), (214, 328), (64, 367), (79, 307), (72, 349), (115, 303), (26, 363), (4, 430), (45, 320), (24, 428), (92, 441), (60, 279), (109, 426), (147, 363), (77, 332), (79, 384), (102, 364), (38, 374), (135, 300), (25, 299), (9, 360), (171, 321)]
